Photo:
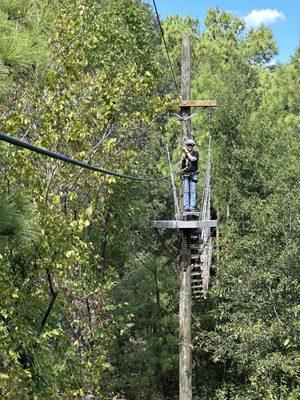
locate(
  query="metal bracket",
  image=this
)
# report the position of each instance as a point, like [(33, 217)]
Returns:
[(185, 118)]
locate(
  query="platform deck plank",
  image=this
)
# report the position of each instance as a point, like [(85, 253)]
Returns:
[(184, 224)]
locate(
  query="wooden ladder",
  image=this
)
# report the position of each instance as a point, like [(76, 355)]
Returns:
[(201, 244), (197, 265)]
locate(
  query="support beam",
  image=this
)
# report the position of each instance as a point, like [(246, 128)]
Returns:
[(185, 295), (186, 230), (198, 103), (186, 85), (185, 320)]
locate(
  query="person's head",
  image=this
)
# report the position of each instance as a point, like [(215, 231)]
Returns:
[(190, 143)]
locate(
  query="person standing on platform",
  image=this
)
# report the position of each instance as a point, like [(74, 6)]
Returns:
[(190, 175)]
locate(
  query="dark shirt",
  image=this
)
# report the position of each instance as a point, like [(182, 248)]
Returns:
[(188, 165)]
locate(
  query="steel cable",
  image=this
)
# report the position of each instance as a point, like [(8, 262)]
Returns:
[(66, 159), (166, 47)]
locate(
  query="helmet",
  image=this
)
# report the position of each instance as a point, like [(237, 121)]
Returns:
[(190, 141)]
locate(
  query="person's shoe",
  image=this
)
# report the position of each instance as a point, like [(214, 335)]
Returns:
[(186, 210)]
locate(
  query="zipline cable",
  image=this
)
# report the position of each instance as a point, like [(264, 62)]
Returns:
[(61, 157), (165, 44)]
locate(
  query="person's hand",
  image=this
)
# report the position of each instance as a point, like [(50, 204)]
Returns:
[(185, 150)]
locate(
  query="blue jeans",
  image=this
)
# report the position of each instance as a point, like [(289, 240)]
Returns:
[(189, 192)]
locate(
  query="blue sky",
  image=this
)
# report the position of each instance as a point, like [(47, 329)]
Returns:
[(283, 17)]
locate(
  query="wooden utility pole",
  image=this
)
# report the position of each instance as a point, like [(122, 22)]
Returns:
[(187, 224), (186, 85), (185, 296)]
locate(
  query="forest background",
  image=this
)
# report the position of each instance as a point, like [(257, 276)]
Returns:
[(89, 293)]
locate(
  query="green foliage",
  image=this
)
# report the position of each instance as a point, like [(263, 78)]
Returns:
[(17, 219), (60, 331), (253, 310), (145, 320), (89, 292), (23, 33), (245, 337)]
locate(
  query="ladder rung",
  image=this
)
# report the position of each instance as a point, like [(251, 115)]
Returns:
[(197, 241), (197, 265)]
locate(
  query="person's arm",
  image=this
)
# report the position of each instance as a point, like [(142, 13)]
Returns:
[(190, 156)]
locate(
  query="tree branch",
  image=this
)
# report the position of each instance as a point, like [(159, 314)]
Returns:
[(273, 300), (106, 133), (54, 295), (89, 313)]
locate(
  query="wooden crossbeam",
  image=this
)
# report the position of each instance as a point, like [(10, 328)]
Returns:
[(198, 103), (184, 224)]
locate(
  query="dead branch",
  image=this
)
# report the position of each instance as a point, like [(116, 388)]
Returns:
[(54, 295)]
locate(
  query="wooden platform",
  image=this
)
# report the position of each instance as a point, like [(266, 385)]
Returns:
[(196, 224)]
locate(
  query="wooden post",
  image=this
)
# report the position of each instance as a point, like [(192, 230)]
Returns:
[(185, 300), (186, 85)]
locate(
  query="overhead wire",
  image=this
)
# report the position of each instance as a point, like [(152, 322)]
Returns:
[(165, 45), (40, 150)]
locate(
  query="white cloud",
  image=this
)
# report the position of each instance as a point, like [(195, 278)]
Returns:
[(264, 16)]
